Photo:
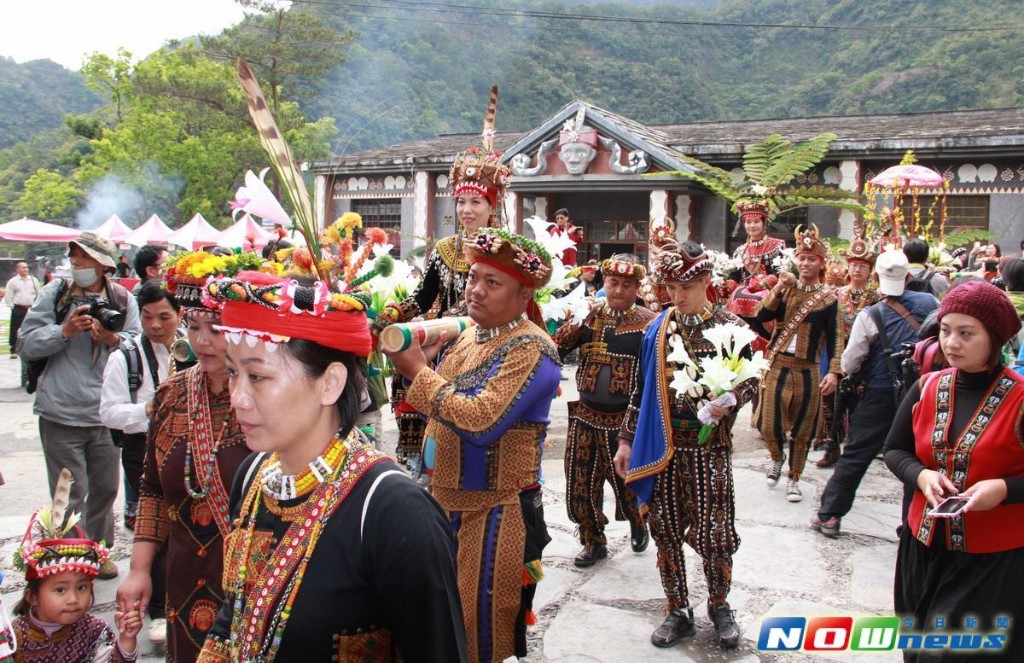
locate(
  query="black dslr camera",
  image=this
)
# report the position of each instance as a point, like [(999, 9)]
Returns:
[(100, 309)]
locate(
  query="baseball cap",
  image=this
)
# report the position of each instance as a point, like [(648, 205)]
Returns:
[(100, 249), (892, 268)]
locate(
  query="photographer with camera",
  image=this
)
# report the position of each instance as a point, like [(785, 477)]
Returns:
[(74, 326), (872, 354)]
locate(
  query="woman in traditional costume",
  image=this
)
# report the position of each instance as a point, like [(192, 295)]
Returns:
[(193, 450), (959, 432), (758, 273), (335, 553), (478, 179)]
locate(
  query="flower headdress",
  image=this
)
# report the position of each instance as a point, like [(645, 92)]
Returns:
[(479, 170), (188, 272), (44, 550), (809, 241), (574, 131), (327, 306), (670, 261), (523, 259), (623, 265)]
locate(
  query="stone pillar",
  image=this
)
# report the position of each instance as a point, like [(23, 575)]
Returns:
[(684, 221), (849, 181), (540, 207), (320, 201), (510, 208), (659, 205), (422, 194)]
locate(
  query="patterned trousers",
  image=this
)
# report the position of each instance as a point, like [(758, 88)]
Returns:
[(591, 444), (789, 406), (693, 502)]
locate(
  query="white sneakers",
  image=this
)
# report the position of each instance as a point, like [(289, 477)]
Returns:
[(158, 631), (793, 493)]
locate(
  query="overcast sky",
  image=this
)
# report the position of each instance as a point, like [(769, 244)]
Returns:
[(66, 30)]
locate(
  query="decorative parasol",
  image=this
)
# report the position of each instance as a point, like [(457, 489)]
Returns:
[(906, 176)]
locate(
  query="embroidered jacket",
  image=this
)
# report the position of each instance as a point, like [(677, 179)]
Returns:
[(609, 350), (87, 640), (812, 318), (656, 412), (439, 292)]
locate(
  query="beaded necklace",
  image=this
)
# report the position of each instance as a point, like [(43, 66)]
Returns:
[(280, 486), (810, 288), (484, 335), (258, 621), (206, 475)]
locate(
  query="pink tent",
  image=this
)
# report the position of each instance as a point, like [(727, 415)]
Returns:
[(195, 234), (242, 232), (114, 229), (153, 231), (30, 230)]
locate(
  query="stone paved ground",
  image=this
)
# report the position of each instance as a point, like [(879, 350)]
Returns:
[(605, 613)]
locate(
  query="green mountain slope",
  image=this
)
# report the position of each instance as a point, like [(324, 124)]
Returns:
[(422, 68), (35, 96)]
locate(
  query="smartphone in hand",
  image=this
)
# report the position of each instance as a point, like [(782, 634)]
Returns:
[(950, 507)]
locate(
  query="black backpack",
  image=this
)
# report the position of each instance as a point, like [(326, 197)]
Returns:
[(922, 282)]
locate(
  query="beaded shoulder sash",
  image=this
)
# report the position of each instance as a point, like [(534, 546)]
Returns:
[(203, 444), (283, 571), (794, 322)]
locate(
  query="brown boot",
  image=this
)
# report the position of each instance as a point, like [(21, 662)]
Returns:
[(831, 456)]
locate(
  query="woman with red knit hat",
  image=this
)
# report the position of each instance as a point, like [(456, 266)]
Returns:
[(959, 432)]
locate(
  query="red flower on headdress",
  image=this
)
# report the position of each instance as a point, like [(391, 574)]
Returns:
[(484, 242), (532, 263)]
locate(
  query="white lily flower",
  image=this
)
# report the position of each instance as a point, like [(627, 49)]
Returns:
[(717, 376), (681, 382), (679, 355), (721, 337)]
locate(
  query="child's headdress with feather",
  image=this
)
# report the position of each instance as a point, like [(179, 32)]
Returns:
[(46, 549)]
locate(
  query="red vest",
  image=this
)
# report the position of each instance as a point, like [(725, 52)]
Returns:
[(991, 447)]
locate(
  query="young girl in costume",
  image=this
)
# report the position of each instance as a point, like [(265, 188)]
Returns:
[(53, 623)]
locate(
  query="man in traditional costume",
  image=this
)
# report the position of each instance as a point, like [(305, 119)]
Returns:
[(488, 405), (609, 347), (852, 297), (806, 320), (685, 486)]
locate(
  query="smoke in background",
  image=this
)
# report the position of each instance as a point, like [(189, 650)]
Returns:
[(109, 196), (152, 192)]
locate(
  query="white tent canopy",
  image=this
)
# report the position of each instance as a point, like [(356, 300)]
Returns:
[(153, 231), (195, 234), (244, 233), (114, 229), (30, 230)]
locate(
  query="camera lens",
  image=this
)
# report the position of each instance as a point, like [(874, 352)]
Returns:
[(111, 320)]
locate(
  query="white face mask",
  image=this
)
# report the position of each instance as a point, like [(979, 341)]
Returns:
[(85, 278)]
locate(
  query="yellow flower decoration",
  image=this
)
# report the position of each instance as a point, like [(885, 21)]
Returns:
[(348, 222)]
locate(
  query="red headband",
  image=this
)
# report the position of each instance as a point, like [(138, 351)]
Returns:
[(487, 192), (343, 331), (505, 269)]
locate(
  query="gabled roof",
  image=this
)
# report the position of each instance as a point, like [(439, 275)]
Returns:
[(629, 133), (883, 137)]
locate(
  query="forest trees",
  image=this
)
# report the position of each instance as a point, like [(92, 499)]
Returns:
[(177, 137)]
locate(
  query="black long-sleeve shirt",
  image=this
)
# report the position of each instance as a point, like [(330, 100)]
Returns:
[(900, 456)]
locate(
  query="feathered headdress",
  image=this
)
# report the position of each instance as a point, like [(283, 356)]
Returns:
[(478, 170), (44, 550), (331, 309)]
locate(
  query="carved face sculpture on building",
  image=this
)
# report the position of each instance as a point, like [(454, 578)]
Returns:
[(576, 157)]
